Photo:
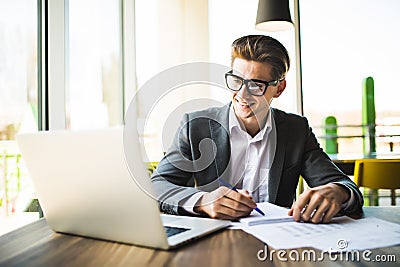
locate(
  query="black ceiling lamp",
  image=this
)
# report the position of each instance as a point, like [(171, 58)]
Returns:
[(273, 15)]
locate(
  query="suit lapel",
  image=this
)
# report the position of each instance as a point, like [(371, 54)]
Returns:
[(279, 158), (219, 131)]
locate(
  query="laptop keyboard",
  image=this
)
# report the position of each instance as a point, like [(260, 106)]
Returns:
[(174, 230)]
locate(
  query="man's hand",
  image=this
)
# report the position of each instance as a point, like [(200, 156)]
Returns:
[(224, 203), (319, 204)]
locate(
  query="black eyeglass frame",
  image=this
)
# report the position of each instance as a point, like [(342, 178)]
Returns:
[(246, 81)]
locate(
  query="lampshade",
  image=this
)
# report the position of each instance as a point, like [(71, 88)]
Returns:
[(273, 15)]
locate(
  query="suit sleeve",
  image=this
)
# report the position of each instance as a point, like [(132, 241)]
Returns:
[(318, 169), (172, 180)]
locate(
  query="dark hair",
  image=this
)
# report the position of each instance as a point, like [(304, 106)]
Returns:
[(264, 49)]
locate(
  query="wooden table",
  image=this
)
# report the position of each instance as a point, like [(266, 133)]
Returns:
[(37, 245)]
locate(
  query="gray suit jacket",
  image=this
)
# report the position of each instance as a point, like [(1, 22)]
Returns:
[(191, 166)]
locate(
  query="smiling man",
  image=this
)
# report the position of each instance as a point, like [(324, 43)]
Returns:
[(260, 150)]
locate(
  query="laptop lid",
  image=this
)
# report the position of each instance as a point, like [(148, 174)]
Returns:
[(85, 188)]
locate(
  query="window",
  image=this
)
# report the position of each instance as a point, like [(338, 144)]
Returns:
[(344, 42), (18, 99), (82, 71), (169, 33), (18, 69), (94, 72)]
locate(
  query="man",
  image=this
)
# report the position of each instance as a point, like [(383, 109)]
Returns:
[(261, 150)]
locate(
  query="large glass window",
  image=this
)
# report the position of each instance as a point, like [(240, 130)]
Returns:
[(18, 102), (344, 42), (94, 72), (168, 34)]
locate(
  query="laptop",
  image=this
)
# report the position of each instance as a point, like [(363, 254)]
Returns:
[(85, 188)]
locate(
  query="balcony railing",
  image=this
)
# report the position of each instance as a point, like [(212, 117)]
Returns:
[(370, 134)]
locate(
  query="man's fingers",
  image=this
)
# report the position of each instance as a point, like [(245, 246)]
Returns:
[(290, 212), (226, 208), (224, 203), (234, 205), (319, 212), (225, 213), (245, 193), (238, 197), (299, 206), (318, 204), (311, 208), (332, 211)]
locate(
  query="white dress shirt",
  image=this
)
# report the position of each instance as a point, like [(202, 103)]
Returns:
[(251, 159)]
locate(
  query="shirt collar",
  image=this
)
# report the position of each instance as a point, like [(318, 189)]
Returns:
[(234, 123)]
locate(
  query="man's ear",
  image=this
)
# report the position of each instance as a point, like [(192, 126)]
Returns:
[(281, 88)]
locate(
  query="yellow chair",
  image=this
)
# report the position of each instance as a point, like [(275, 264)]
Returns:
[(151, 166), (378, 174)]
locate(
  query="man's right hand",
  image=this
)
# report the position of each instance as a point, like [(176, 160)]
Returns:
[(224, 203)]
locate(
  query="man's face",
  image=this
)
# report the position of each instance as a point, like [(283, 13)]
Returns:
[(248, 106)]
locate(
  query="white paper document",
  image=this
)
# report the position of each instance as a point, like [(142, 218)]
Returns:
[(273, 214), (280, 231)]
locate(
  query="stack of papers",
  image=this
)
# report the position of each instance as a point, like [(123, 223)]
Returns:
[(273, 214), (280, 231)]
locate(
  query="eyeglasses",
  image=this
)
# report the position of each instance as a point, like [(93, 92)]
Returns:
[(254, 87)]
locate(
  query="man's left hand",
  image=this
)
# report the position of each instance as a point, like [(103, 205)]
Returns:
[(319, 204)]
